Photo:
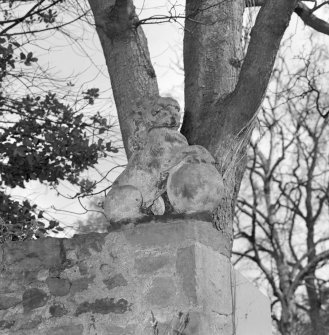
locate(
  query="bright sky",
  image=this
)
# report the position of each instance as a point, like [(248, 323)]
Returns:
[(84, 61)]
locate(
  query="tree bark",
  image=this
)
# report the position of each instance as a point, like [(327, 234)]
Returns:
[(219, 113), (124, 44), (304, 12), (310, 283), (314, 305), (212, 54), (229, 117)]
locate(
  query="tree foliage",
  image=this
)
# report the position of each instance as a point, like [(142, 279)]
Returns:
[(44, 134)]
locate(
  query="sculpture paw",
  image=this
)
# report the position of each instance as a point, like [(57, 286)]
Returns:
[(122, 203)]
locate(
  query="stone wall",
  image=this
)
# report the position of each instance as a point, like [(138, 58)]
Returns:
[(156, 275)]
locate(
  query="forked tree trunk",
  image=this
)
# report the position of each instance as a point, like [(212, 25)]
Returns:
[(220, 106), (287, 321), (212, 59), (310, 281), (221, 96)]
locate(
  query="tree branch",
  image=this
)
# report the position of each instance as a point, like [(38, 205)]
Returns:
[(128, 61), (58, 27), (30, 13), (234, 115), (259, 3), (304, 271), (304, 12)]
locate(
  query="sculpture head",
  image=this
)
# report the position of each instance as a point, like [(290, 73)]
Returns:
[(156, 113), (164, 113)]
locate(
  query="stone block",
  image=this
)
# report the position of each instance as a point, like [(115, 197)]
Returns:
[(115, 281), (252, 309), (8, 300), (22, 256), (176, 269), (73, 329), (34, 298), (57, 310), (30, 324), (80, 284), (162, 292), (185, 269), (150, 264), (58, 286), (6, 324), (174, 232), (103, 306)]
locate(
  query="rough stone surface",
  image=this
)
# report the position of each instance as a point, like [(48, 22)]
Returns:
[(65, 330), (161, 292), (150, 264), (186, 270), (80, 284), (6, 324), (114, 330), (58, 286), (115, 281), (10, 283), (30, 324), (57, 310), (34, 298), (103, 306), (7, 301), (33, 256), (110, 283), (169, 232), (42, 275)]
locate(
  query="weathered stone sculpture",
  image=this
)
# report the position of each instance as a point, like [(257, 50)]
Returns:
[(163, 161)]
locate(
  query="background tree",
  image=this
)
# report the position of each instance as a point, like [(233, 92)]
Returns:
[(45, 131), (282, 213)]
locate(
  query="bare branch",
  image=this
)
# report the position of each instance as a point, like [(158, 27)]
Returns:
[(304, 12), (305, 270), (258, 3)]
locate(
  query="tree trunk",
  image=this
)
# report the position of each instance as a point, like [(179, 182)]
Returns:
[(221, 101), (311, 289), (288, 318), (124, 44), (315, 306), (287, 321), (212, 56), (313, 296), (221, 96)]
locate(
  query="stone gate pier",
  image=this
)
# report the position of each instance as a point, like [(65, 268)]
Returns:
[(166, 276)]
